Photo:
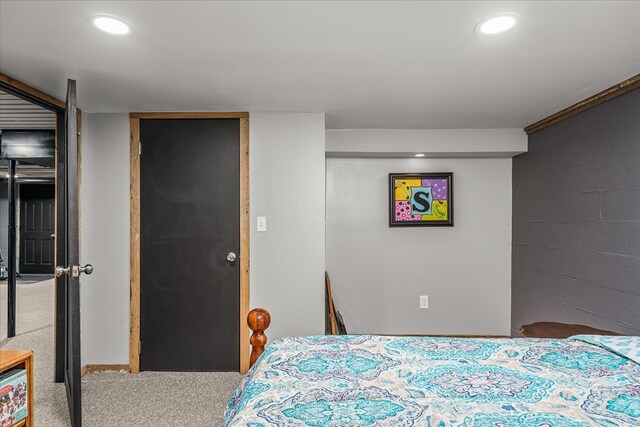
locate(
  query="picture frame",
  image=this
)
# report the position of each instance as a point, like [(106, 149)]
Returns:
[(422, 199)]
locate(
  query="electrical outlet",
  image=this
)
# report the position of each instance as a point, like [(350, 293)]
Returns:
[(262, 223), (424, 301)]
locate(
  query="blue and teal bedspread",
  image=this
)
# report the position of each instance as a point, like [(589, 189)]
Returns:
[(441, 382)]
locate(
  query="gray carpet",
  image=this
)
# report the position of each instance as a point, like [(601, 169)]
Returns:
[(148, 399), (34, 306)]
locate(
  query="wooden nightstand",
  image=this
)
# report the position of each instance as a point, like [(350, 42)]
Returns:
[(20, 359), (559, 330)]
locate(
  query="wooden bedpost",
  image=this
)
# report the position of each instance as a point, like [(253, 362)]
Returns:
[(258, 320)]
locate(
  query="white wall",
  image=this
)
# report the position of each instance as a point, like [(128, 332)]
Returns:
[(287, 186), (104, 297), (378, 273), (287, 261)]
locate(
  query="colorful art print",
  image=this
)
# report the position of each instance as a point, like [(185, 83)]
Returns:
[(13, 397), (420, 199)]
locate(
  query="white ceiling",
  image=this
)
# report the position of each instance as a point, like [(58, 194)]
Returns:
[(366, 64)]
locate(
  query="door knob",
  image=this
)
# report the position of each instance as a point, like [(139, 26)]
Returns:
[(87, 269), (61, 270), (231, 257), (76, 270)]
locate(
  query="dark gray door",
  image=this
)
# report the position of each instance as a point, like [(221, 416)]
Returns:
[(190, 223), (37, 224), (67, 254)]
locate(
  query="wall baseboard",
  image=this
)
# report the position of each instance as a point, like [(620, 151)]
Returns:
[(87, 369)]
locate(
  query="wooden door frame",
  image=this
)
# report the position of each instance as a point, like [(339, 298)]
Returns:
[(57, 106), (134, 332)]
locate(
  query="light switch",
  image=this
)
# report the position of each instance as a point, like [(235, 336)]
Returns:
[(262, 223), (424, 301)]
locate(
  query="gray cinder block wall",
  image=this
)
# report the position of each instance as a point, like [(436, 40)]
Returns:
[(576, 221)]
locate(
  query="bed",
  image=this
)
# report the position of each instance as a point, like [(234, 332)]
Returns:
[(367, 380)]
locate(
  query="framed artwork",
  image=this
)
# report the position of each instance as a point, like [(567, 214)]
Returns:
[(420, 199)]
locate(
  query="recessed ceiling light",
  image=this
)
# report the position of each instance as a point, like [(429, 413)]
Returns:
[(497, 24), (111, 24), (419, 155)]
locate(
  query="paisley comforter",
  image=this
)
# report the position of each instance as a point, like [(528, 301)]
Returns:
[(440, 382)]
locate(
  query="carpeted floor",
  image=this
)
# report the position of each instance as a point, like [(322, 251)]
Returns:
[(148, 399), (35, 306)]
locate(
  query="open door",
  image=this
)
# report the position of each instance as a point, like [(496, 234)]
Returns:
[(67, 252), (67, 295)]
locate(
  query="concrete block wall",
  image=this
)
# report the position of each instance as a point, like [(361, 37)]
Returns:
[(576, 221)]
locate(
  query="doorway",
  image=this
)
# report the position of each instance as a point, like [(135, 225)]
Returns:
[(189, 242), (27, 158)]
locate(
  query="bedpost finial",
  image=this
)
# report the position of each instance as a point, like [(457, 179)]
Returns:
[(258, 320)]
